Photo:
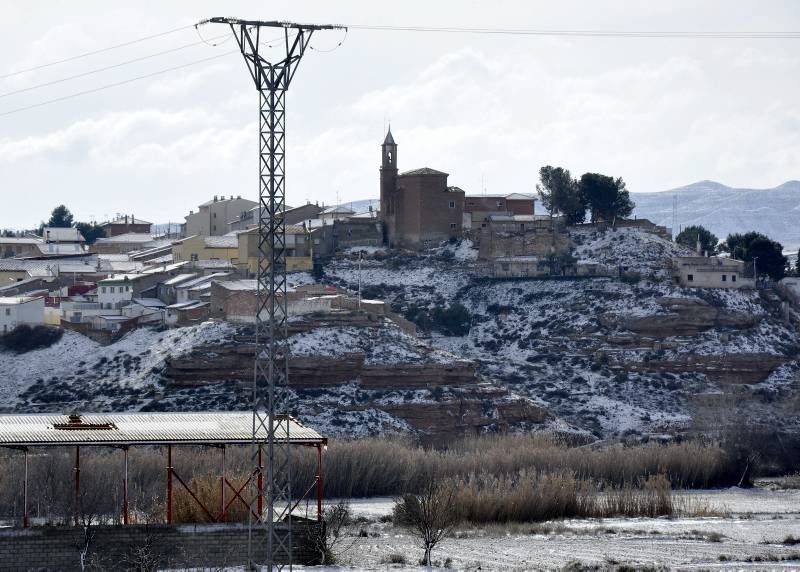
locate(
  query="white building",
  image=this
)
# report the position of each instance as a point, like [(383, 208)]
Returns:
[(117, 291), (710, 272), (19, 310)]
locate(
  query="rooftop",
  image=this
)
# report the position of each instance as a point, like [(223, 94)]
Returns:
[(14, 300), (128, 237), (122, 278), (178, 279), (231, 427), (239, 284), (19, 240), (123, 219), (58, 234), (225, 241), (423, 171)]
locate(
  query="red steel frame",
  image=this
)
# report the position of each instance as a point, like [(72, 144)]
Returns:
[(225, 484)]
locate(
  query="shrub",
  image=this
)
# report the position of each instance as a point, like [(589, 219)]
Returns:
[(25, 338)]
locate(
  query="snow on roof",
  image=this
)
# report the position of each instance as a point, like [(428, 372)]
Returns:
[(516, 218), (143, 428), (128, 238), (178, 279), (225, 241), (16, 300), (158, 269), (189, 305), (520, 197), (149, 302), (57, 234), (340, 209), (60, 248), (201, 280), (239, 284), (422, 171), (214, 263), (19, 240)]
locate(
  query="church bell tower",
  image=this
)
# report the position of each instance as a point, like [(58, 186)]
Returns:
[(388, 183)]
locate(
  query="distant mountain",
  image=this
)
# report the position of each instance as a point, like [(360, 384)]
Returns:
[(723, 210)]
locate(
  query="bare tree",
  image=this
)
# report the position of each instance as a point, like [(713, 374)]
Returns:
[(430, 515), (328, 538)]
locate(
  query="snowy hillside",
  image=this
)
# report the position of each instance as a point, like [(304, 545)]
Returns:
[(723, 210), (555, 340)]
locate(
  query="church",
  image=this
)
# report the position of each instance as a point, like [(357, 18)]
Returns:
[(418, 209)]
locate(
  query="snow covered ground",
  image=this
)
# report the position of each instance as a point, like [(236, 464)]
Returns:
[(756, 522)]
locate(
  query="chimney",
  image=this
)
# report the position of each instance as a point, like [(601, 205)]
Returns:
[(126, 219), (215, 198)]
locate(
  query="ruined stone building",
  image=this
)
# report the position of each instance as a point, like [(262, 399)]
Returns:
[(418, 209)]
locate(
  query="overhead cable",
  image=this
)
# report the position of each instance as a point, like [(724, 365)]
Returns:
[(115, 84)]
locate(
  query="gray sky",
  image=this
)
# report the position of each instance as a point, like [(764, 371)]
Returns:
[(658, 112)]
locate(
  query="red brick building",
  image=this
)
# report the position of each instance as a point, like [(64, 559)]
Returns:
[(418, 209)]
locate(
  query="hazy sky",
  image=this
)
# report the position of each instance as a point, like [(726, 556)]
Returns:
[(658, 112)]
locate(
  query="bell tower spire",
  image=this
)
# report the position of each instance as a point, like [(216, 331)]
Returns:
[(389, 151)]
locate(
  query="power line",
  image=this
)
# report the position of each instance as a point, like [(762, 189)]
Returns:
[(106, 68), (99, 51), (582, 33), (115, 84)]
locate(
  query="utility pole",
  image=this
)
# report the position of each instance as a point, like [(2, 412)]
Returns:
[(271, 406)]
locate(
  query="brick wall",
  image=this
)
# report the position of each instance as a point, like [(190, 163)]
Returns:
[(117, 547)]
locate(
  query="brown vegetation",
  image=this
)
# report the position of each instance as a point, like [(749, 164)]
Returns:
[(532, 469)]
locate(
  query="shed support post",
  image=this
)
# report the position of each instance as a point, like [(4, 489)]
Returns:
[(260, 481), (125, 489), (25, 522), (222, 489), (169, 484), (319, 483), (77, 484)]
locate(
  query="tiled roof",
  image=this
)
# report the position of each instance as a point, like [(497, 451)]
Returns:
[(422, 171)]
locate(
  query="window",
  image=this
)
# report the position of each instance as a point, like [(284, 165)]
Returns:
[(452, 204), (8, 311), (724, 278), (733, 277), (499, 204), (103, 289), (215, 215), (111, 289), (452, 226), (316, 241), (690, 278)]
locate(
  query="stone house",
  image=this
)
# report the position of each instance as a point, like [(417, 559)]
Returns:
[(711, 272), (213, 216), (522, 235), (418, 208)]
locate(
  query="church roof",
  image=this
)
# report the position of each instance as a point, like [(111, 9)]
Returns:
[(423, 171), (389, 139)]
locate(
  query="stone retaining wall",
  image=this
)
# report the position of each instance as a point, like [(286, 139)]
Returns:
[(214, 546)]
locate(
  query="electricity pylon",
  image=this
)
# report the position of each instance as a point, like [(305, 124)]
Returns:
[(270, 378)]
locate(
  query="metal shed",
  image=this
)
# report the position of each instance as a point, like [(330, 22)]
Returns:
[(124, 430)]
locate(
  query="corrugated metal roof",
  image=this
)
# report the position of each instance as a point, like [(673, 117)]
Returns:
[(142, 429)]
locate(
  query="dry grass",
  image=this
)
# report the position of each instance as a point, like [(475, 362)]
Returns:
[(534, 497), (538, 474)]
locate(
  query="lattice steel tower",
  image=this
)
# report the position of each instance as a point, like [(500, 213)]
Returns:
[(270, 379)]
